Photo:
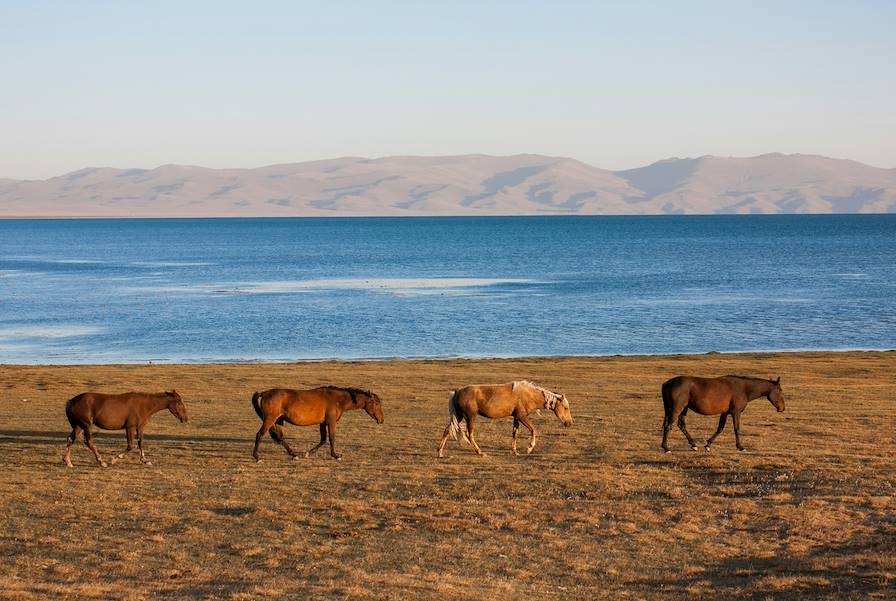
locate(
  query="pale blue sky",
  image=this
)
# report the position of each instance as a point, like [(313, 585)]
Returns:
[(615, 84)]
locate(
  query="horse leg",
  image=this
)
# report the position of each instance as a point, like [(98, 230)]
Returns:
[(447, 434), (140, 446), (471, 420), (735, 417), (525, 421), (684, 430), (667, 425), (444, 440), (722, 419), (129, 432), (323, 440), (516, 434), (266, 425), (331, 430), (279, 435), (88, 440), (67, 458)]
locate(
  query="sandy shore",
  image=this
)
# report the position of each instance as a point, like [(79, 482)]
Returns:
[(597, 511)]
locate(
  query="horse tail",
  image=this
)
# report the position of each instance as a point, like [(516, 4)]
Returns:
[(668, 392), (68, 410), (454, 419), (70, 406), (256, 398)]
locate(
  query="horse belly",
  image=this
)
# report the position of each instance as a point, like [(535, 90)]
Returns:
[(704, 408), (109, 420), (306, 416), (496, 408), (710, 400)]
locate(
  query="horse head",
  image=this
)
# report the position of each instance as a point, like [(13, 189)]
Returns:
[(374, 407), (176, 406), (775, 396), (559, 404)]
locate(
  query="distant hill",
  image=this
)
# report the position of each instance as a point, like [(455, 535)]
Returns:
[(462, 185)]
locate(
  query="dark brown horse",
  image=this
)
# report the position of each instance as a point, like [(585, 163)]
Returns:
[(129, 411), (518, 399), (323, 406), (727, 395)]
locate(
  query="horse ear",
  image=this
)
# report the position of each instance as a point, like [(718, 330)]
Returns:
[(778, 381)]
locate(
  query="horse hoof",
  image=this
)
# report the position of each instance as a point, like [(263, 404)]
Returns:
[(147, 463), (257, 459), (103, 464), (706, 448), (741, 449), (67, 463), (296, 457), (666, 451), (693, 447), (307, 454)]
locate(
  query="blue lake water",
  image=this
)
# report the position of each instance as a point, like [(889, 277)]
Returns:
[(194, 290)]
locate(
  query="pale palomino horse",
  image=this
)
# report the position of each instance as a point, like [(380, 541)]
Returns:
[(494, 401)]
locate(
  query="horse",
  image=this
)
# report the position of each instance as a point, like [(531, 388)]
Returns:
[(727, 395), (323, 406), (129, 411), (519, 399)]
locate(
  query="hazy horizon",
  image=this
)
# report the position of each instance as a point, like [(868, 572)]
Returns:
[(439, 156), (463, 185), (620, 86)]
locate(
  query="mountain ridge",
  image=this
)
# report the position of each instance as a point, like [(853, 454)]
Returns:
[(473, 184)]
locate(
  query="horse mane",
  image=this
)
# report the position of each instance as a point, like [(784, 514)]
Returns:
[(755, 379), (550, 398), (352, 392)]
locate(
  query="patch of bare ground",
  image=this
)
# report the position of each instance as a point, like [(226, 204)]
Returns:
[(597, 511)]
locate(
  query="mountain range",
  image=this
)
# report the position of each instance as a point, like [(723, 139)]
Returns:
[(462, 185)]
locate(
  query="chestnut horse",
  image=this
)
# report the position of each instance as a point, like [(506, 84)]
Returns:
[(518, 399), (129, 411), (727, 395), (324, 406)]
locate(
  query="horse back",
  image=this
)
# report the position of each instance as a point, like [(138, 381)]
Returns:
[(299, 407), (708, 396), (108, 411), (489, 400)]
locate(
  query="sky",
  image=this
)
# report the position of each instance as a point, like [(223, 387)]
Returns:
[(615, 84)]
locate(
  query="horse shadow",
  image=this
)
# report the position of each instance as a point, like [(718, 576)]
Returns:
[(28, 436)]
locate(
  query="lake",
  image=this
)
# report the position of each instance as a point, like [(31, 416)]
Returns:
[(204, 290)]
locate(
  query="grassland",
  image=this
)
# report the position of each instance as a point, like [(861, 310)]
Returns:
[(597, 511)]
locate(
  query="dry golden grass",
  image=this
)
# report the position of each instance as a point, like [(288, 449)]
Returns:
[(596, 512)]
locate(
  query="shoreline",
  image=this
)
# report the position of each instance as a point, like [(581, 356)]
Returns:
[(349, 216), (457, 358)]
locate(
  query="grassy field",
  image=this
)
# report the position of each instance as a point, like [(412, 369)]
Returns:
[(597, 511)]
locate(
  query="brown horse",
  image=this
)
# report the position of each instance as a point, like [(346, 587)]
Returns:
[(518, 399), (727, 395), (324, 406), (129, 411)]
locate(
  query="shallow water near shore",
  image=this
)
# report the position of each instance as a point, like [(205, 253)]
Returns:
[(200, 290)]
